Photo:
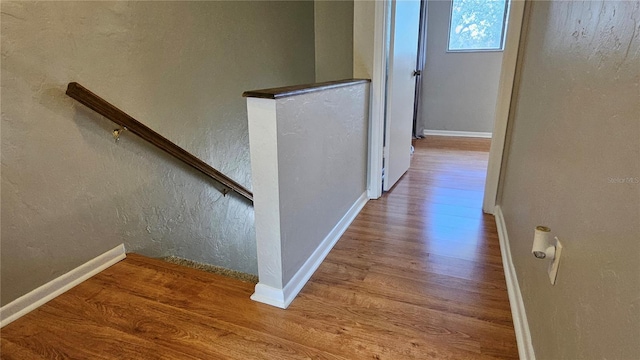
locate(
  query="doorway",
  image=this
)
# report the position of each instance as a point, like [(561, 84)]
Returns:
[(462, 68), (377, 143)]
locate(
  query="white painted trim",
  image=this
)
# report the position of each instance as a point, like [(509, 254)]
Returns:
[(38, 297), (475, 134), (503, 105), (269, 295), (378, 87), (283, 297), (263, 135), (518, 312)]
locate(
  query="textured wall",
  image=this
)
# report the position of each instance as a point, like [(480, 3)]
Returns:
[(459, 89), (322, 166), (69, 193), (574, 165), (364, 13), (333, 22)]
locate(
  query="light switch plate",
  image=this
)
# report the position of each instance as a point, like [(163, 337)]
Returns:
[(553, 267)]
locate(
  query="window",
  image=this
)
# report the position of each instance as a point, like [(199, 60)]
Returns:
[(477, 25)]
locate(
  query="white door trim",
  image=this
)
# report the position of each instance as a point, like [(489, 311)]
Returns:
[(503, 105), (378, 98)]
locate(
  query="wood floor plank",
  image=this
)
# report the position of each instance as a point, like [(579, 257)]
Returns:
[(307, 326), (12, 351), (434, 326), (185, 331), (379, 208), (418, 275), (395, 244), (408, 265), (57, 334)]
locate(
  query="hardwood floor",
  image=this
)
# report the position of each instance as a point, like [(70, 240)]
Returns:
[(418, 275)]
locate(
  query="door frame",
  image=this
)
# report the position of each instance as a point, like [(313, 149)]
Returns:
[(498, 151), (505, 93), (418, 132), (382, 25)]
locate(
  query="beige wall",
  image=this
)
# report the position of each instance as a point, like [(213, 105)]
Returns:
[(333, 21), (459, 89), (574, 165), (69, 193), (364, 13)]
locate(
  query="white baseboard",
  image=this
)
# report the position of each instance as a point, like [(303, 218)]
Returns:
[(283, 297), (520, 323), (38, 297), (458, 133)]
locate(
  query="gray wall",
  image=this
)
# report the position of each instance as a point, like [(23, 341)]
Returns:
[(333, 39), (322, 166), (459, 90), (574, 165), (69, 193)]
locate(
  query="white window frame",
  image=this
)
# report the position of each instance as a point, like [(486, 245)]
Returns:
[(507, 8)]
